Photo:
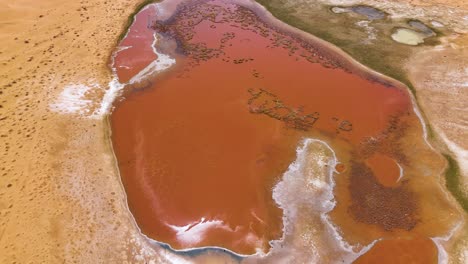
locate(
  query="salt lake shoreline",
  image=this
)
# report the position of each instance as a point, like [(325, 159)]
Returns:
[(329, 48)]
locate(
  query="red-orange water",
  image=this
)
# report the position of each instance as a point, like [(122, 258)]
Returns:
[(385, 168), (136, 49), (401, 251), (200, 151)]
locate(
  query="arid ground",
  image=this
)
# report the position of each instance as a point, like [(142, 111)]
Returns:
[(61, 198)]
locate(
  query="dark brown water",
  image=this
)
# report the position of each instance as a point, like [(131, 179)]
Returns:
[(201, 149)]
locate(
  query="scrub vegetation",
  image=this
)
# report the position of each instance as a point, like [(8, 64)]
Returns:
[(453, 183)]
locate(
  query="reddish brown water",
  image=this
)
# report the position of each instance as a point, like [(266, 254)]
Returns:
[(136, 49), (385, 169), (200, 151), (401, 251)]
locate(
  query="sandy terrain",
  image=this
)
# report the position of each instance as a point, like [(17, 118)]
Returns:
[(60, 195), (443, 95)]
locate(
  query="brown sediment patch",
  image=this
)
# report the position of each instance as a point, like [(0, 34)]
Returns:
[(401, 250), (200, 151), (376, 204)]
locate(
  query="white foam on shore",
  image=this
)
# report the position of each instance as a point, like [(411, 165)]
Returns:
[(439, 241), (72, 100), (401, 171), (193, 233), (162, 63), (145, 253), (114, 90), (442, 257)]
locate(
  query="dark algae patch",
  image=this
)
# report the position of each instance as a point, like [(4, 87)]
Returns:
[(388, 207), (266, 103)]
